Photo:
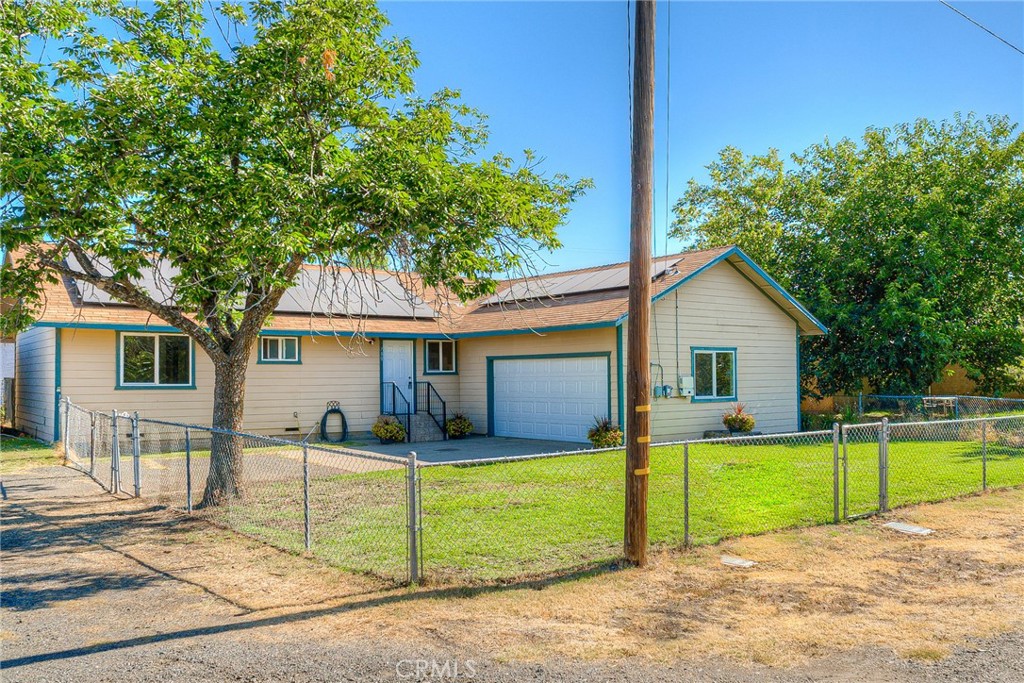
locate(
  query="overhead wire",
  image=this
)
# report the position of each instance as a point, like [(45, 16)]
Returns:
[(983, 28)]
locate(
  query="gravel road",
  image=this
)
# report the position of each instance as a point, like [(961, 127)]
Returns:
[(80, 604)]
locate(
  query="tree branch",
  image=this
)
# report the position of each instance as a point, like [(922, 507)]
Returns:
[(131, 294)]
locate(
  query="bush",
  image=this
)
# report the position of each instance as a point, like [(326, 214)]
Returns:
[(737, 420), (604, 434), (388, 428), (458, 426)]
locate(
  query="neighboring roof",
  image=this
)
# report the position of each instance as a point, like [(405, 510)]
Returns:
[(582, 298)]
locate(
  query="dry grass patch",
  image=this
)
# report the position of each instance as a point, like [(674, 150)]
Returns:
[(815, 592)]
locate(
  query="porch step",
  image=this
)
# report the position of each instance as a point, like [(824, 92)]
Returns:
[(425, 429)]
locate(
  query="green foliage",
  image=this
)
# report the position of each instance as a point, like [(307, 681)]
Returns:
[(458, 426), (906, 244), (388, 428), (305, 144), (605, 434), (738, 419)]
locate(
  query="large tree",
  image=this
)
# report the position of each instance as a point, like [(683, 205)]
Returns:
[(908, 244), (293, 136)]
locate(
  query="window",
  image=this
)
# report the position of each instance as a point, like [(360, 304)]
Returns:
[(279, 350), (440, 356), (714, 374), (156, 360)]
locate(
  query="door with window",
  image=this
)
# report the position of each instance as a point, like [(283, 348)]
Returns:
[(397, 366)]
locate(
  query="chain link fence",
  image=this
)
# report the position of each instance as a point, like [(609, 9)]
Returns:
[(347, 507), (501, 519), (924, 408)]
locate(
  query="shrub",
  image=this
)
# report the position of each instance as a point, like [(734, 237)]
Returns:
[(388, 428), (604, 434), (458, 426), (737, 420)]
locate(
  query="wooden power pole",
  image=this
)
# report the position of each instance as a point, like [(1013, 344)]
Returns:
[(638, 372)]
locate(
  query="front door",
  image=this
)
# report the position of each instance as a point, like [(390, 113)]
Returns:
[(397, 366)]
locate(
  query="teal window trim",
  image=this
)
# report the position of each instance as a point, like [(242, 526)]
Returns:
[(455, 357), (607, 355), (260, 360), (694, 350), (118, 371)]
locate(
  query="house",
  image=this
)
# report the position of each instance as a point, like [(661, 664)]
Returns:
[(541, 358)]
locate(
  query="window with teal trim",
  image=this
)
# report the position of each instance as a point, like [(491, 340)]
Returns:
[(156, 360), (279, 349), (440, 356), (714, 374)]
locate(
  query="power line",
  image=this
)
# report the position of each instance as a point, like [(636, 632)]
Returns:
[(983, 28)]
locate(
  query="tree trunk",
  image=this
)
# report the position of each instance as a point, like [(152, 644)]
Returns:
[(225, 478)]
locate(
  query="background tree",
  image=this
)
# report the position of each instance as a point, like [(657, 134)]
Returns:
[(296, 139), (909, 245)]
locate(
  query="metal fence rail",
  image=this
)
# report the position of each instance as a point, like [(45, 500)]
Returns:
[(506, 518)]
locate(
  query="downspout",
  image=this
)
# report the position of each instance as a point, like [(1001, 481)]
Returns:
[(56, 386), (619, 380)]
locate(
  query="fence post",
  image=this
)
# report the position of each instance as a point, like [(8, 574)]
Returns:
[(305, 496), (835, 472), (92, 444), (883, 466), (188, 470), (956, 407), (984, 456), (686, 494), (860, 404), (136, 455), (846, 473), (414, 565), (115, 455), (67, 426)]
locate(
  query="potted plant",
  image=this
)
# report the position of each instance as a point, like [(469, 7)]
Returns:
[(738, 420), (388, 429), (604, 434), (458, 426)]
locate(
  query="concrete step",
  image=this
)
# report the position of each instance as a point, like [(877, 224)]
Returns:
[(425, 429)]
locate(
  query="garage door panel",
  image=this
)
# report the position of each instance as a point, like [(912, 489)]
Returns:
[(549, 398)]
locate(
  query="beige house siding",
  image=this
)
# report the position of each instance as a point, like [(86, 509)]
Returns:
[(721, 308), (332, 369), (35, 381), (475, 351), (447, 386)]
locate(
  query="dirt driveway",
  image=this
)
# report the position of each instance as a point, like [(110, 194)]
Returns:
[(100, 589)]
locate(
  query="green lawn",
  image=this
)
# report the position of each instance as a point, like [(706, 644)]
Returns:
[(511, 519), (18, 453)]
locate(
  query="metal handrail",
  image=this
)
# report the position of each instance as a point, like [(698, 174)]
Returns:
[(426, 398), (398, 400)]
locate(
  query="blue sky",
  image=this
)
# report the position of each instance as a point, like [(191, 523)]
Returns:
[(552, 76)]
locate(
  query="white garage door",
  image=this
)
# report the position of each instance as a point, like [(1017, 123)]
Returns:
[(549, 398)]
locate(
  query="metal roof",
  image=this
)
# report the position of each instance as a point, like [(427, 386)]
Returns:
[(339, 292)]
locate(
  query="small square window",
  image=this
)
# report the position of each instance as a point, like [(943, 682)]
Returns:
[(155, 360), (440, 356), (714, 374), (279, 350)]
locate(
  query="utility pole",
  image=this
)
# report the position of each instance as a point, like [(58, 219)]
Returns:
[(638, 372)]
